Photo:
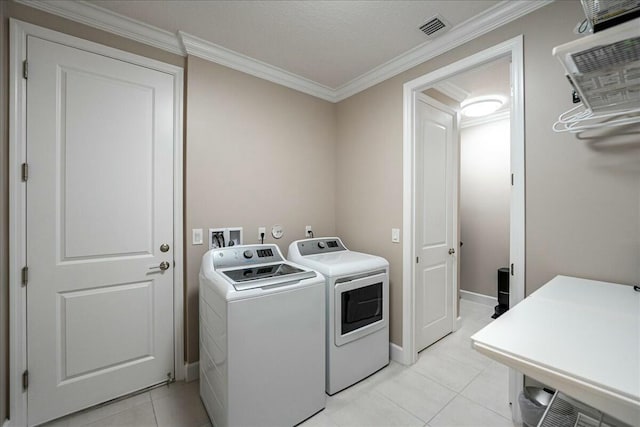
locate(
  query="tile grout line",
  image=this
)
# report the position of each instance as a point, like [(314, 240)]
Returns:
[(398, 406), (443, 385), (479, 403), (153, 408), (104, 406), (443, 407), (432, 379)]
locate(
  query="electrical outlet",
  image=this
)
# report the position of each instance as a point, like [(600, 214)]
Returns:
[(197, 236), (308, 231), (262, 232), (277, 231), (395, 235)]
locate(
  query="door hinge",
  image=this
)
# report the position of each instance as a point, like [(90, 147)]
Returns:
[(511, 179), (25, 380), (417, 260), (25, 172), (25, 275), (25, 69), (512, 269)]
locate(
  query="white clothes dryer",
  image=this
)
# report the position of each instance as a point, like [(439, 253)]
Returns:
[(357, 292), (262, 346)]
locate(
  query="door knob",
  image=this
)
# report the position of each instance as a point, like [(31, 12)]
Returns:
[(452, 251), (164, 265)]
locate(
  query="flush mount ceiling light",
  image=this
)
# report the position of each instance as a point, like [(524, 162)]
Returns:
[(482, 105)]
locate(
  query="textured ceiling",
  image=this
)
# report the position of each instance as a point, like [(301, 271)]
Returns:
[(329, 42), (489, 79)]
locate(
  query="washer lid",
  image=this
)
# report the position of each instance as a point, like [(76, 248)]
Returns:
[(265, 275)]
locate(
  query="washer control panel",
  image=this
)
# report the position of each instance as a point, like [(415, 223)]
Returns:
[(246, 255), (320, 246)]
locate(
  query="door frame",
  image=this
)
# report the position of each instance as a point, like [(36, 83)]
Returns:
[(513, 48), (19, 31)]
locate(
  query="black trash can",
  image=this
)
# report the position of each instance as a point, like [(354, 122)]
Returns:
[(503, 292)]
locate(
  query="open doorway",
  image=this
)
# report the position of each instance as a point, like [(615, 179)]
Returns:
[(485, 181), (442, 90), (463, 119)]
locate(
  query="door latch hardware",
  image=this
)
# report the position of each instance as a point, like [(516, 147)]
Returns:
[(164, 247), (25, 172), (452, 251), (164, 265), (25, 276), (25, 69), (25, 380)]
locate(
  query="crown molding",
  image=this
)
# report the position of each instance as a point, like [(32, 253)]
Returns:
[(220, 55), (494, 17), (185, 44), (475, 121), (106, 20), (452, 91)]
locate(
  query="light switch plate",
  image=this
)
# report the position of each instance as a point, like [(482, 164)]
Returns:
[(197, 236), (395, 235)]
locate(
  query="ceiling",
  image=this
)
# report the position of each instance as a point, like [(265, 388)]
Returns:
[(488, 79), (328, 49), (328, 42)]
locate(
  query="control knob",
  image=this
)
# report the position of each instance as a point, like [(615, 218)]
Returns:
[(321, 245), (248, 254)]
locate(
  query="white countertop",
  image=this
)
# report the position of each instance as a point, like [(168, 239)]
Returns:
[(579, 336)]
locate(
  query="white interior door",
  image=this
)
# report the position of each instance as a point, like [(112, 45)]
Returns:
[(99, 207), (435, 220)]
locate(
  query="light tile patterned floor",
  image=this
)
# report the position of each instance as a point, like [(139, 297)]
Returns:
[(450, 385)]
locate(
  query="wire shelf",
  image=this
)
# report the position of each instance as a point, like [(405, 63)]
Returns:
[(563, 411)]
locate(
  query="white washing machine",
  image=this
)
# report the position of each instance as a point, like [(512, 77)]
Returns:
[(357, 295), (262, 345)]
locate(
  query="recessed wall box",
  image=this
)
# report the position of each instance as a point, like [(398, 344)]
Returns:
[(224, 237), (216, 238)]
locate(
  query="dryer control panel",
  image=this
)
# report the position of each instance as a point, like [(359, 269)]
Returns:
[(320, 246)]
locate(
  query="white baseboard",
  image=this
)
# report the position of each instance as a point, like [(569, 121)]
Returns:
[(396, 353), (479, 298), (6, 423), (191, 371)]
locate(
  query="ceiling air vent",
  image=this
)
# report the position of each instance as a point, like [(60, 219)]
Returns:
[(435, 26)]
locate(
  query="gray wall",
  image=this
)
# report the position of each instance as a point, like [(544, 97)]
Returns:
[(582, 197), (485, 189), (257, 154)]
